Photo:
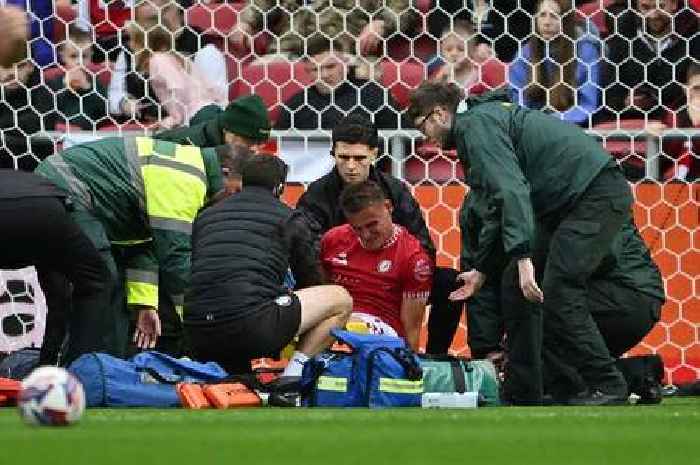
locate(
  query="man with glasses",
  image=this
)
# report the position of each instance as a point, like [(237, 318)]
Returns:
[(355, 145), (560, 200)]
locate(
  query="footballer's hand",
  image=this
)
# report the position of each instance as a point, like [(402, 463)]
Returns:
[(147, 328), (528, 284), (14, 27), (473, 280)]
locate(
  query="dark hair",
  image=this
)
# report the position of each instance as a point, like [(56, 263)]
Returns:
[(318, 43), (266, 171), (76, 35), (432, 94), (232, 158), (560, 85), (355, 128), (357, 197), (693, 70)]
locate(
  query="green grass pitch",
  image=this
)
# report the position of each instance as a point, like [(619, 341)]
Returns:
[(655, 435)]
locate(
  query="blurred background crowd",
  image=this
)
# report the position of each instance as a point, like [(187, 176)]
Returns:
[(101, 65)]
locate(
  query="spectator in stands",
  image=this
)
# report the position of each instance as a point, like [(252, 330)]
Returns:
[(383, 267), (27, 107), (38, 231), (501, 25), (685, 153), (462, 63), (358, 26), (237, 307), (40, 29), (537, 168), (136, 199), (354, 147), (130, 94), (277, 19), (335, 93), (650, 51), (81, 100), (189, 91), (558, 69), (244, 122), (13, 47), (106, 18)]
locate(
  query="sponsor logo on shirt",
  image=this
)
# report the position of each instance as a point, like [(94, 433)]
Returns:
[(341, 259), (384, 266), (284, 301), (422, 270)]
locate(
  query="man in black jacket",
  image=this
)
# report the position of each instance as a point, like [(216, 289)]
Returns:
[(354, 147), (651, 50), (237, 307), (335, 93), (37, 230)]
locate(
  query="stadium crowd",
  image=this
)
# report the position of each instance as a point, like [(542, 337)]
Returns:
[(196, 206)]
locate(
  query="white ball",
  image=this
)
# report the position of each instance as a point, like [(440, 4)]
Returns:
[(51, 396)]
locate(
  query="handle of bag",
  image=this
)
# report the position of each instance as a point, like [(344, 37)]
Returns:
[(458, 375)]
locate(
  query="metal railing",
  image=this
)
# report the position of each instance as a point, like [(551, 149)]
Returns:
[(395, 141)]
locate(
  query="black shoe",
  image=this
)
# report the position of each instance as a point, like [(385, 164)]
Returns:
[(651, 394), (284, 399), (596, 398), (285, 391)]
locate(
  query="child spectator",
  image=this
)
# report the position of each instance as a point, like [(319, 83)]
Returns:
[(559, 67), (463, 62), (183, 87), (81, 100), (130, 94)]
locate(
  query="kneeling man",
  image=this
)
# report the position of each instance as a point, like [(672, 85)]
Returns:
[(385, 269), (237, 308)]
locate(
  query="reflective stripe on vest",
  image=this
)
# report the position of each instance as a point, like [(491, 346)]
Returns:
[(174, 180), (142, 287)]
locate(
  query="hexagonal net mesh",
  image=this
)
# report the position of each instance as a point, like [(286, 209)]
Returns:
[(625, 71)]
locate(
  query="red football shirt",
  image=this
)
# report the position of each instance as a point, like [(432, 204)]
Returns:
[(377, 280)]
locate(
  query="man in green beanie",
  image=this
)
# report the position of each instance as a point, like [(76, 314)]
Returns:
[(244, 122)]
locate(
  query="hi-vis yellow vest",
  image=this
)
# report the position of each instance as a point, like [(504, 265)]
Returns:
[(172, 181)]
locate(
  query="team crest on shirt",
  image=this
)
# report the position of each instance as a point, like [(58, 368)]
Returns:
[(384, 266), (341, 259), (422, 270)]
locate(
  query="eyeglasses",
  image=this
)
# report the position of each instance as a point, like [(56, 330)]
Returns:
[(420, 125)]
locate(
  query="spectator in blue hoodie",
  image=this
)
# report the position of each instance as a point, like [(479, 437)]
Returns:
[(40, 29), (559, 67)]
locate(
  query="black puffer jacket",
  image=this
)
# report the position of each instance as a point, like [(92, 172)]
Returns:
[(19, 184), (241, 250), (321, 208)]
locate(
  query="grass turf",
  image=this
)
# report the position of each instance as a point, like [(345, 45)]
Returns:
[(656, 435)]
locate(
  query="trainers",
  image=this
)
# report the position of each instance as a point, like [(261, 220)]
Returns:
[(596, 398)]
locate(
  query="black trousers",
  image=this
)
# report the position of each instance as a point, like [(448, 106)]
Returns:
[(570, 247), (39, 231), (485, 326), (444, 314)]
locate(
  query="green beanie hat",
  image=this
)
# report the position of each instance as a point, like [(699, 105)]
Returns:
[(247, 117)]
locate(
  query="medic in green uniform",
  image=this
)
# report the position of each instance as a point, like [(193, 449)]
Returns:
[(536, 168), (136, 199)]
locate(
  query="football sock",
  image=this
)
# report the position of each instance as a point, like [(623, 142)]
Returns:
[(296, 364)]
